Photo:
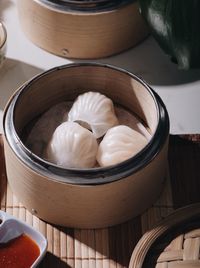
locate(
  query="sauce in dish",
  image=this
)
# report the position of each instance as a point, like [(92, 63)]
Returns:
[(19, 252)]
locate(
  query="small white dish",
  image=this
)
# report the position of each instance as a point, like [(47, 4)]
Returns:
[(3, 39), (11, 227)]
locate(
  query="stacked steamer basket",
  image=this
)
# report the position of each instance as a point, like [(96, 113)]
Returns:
[(82, 29), (86, 198), (173, 243)]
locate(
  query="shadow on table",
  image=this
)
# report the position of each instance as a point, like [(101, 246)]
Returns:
[(51, 261), (102, 247), (148, 61), (5, 4), (12, 75), (184, 162)]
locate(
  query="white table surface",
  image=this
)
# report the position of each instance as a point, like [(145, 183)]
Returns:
[(180, 90)]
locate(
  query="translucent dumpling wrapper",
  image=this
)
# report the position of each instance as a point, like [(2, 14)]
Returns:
[(72, 146), (43, 129), (95, 112), (119, 144)]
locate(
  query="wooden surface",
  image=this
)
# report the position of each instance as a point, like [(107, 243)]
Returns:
[(112, 247)]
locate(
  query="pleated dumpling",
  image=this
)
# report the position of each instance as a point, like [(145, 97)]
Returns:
[(72, 146), (95, 112), (119, 144)]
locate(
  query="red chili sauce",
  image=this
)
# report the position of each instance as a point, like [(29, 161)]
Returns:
[(20, 252)]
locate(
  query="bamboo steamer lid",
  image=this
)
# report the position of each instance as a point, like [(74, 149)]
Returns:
[(173, 243), (82, 29)]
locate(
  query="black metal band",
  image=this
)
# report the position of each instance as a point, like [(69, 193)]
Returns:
[(85, 5)]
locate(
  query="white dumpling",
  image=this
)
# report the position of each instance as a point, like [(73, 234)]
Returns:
[(72, 146), (119, 144), (94, 111)]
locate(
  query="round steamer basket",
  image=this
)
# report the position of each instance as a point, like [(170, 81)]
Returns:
[(173, 243), (82, 29), (86, 198)]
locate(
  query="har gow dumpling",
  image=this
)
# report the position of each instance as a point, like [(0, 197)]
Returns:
[(119, 144), (95, 112), (72, 146)]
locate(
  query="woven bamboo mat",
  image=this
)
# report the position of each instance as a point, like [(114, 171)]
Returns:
[(112, 247)]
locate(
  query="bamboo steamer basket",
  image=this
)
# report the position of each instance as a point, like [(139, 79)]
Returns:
[(173, 243), (79, 29), (86, 198)]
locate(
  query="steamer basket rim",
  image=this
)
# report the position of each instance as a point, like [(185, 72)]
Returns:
[(74, 8)]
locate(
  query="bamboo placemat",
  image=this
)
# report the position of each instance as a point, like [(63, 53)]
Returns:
[(112, 247)]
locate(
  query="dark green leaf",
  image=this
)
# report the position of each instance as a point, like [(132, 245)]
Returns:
[(175, 25)]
